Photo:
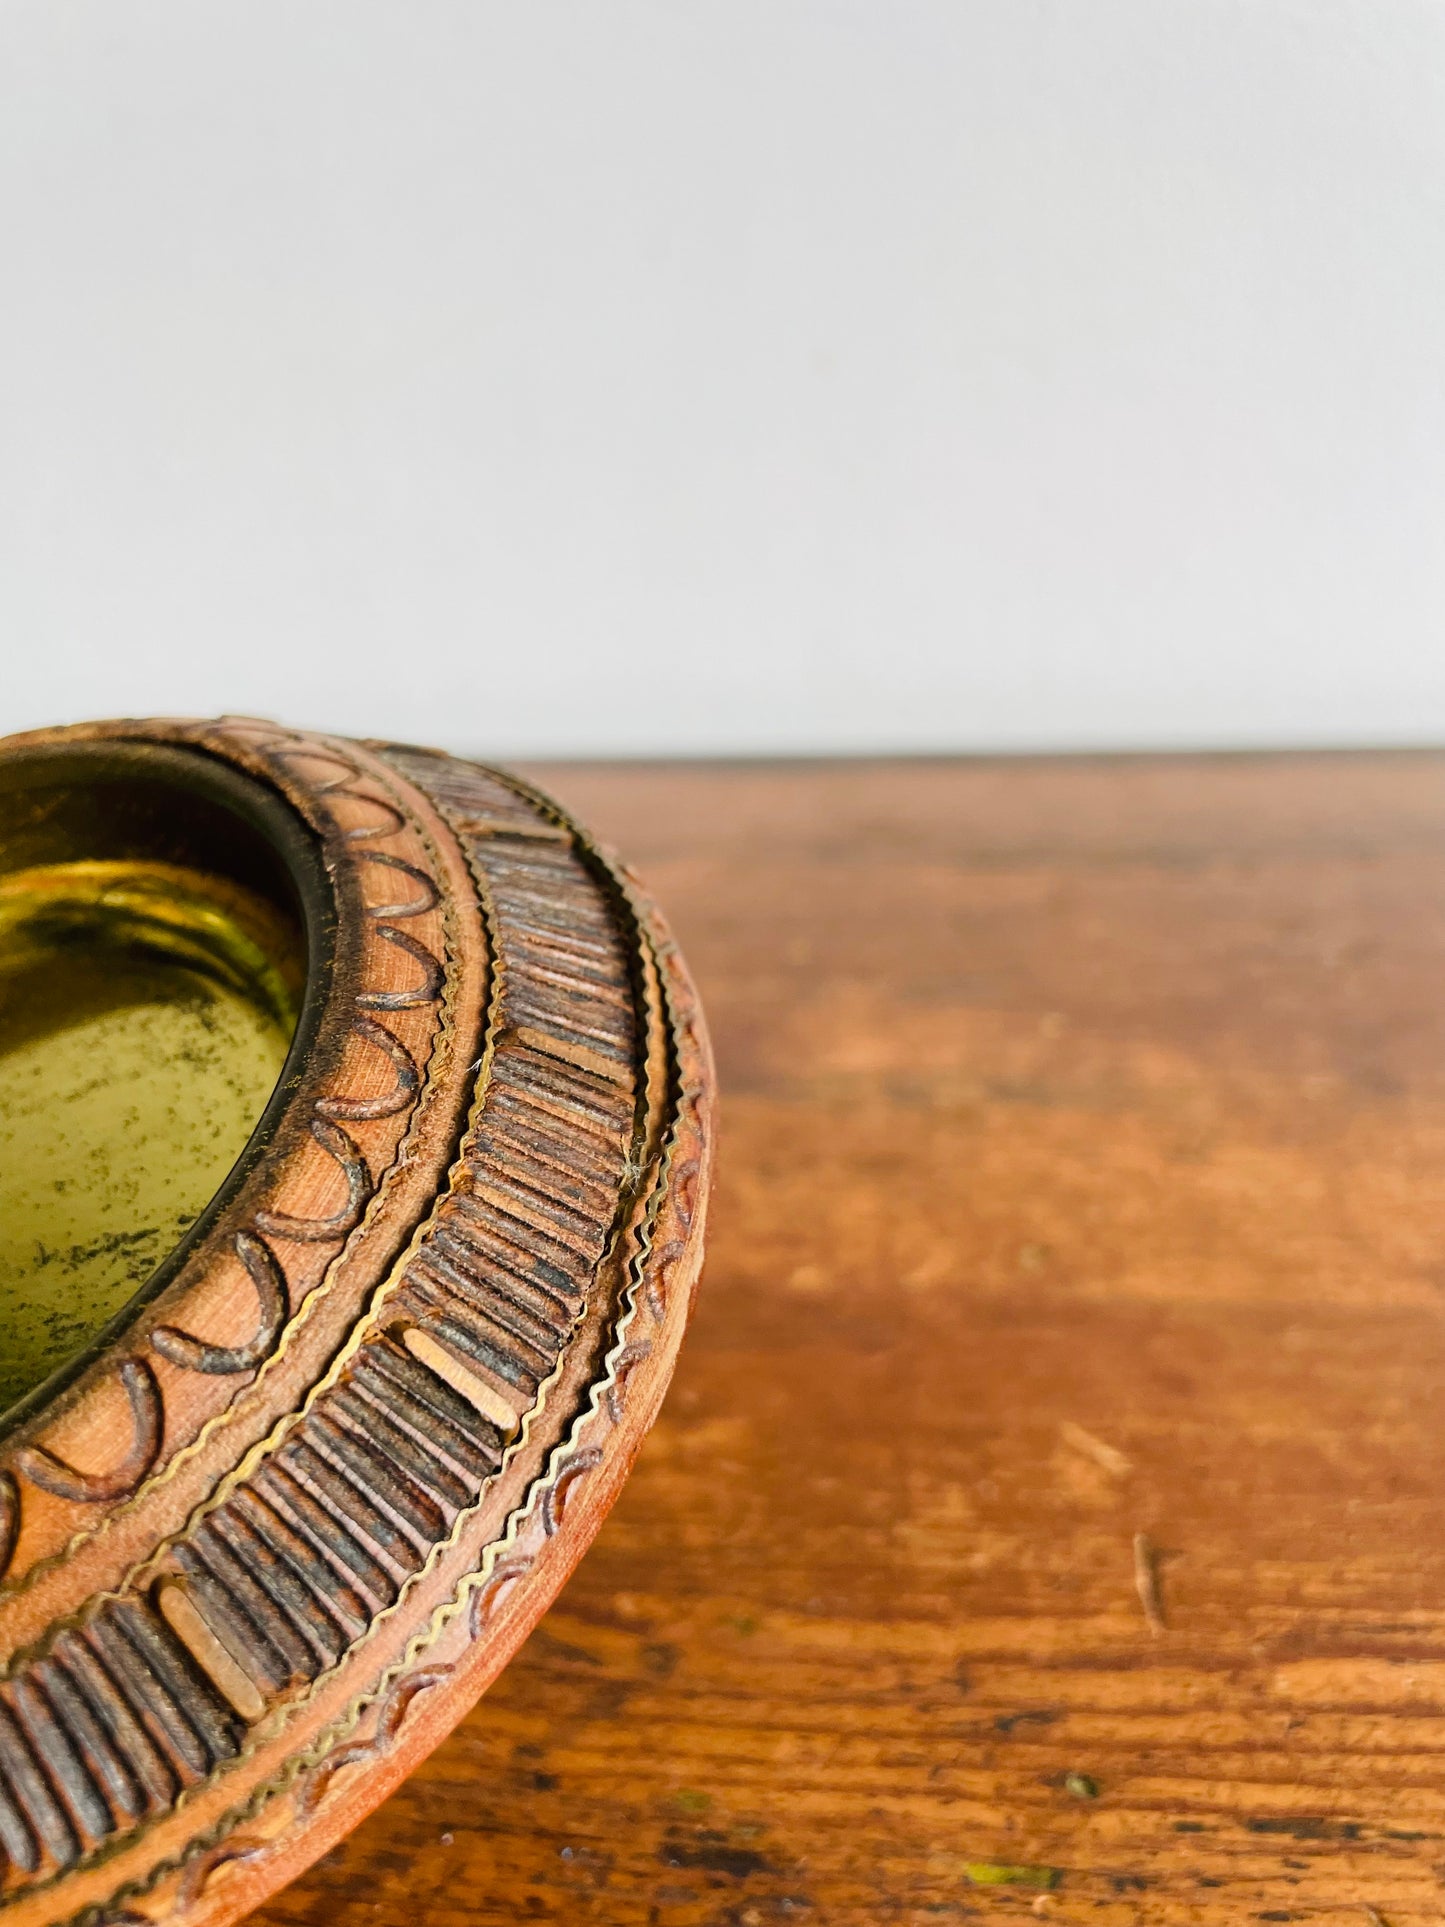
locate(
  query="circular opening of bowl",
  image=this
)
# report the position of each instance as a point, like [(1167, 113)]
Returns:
[(153, 968)]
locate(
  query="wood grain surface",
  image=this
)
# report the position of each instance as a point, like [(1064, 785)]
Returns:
[(1046, 1520)]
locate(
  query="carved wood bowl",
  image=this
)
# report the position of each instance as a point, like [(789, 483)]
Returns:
[(309, 1418)]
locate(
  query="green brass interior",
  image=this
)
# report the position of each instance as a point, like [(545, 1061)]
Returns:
[(147, 1007), (145, 1013)]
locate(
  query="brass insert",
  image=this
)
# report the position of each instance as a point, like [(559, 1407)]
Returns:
[(146, 1009)]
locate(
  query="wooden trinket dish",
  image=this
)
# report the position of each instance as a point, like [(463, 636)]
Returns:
[(307, 1418)]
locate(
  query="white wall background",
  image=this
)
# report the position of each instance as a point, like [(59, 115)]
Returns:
[(727, 375)]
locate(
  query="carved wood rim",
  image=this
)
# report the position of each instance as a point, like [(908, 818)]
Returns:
[(285, 1605)]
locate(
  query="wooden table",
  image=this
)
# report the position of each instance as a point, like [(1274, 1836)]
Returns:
[(1046, 1520)]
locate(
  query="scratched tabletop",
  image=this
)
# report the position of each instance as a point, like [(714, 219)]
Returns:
[(1048, 1516)]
